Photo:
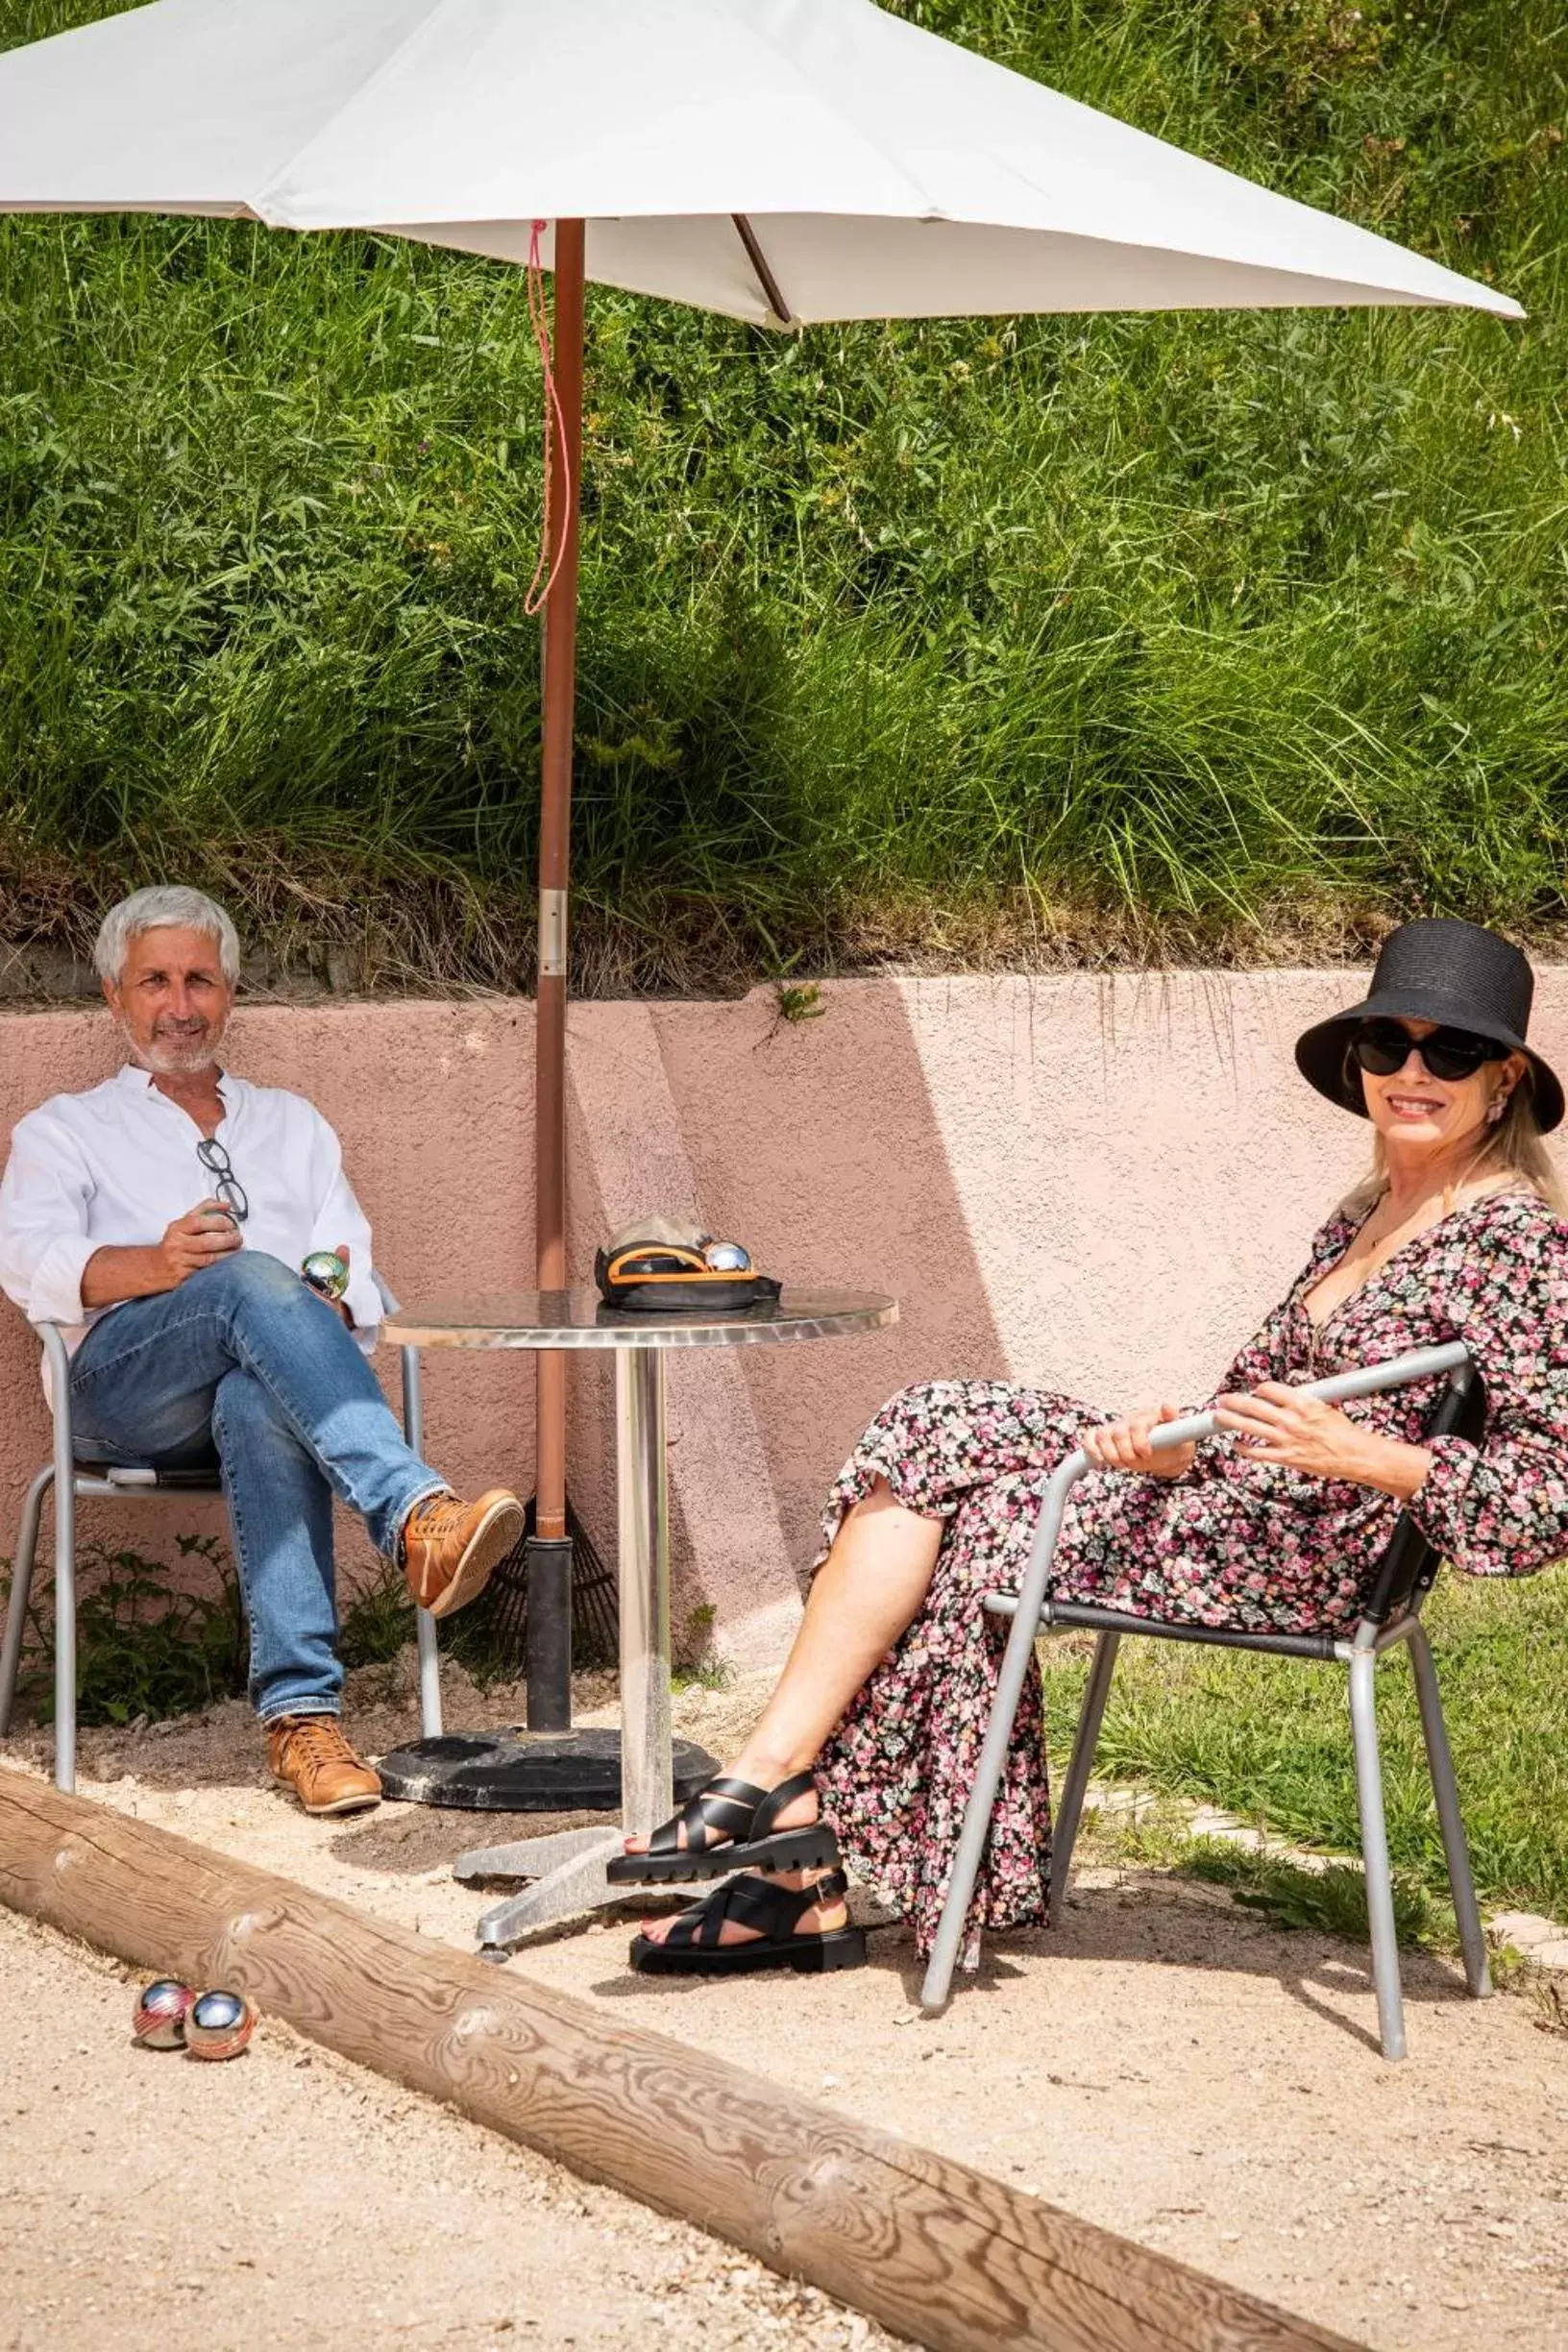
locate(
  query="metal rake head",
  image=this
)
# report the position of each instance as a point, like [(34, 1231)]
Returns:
[(498, 1620)]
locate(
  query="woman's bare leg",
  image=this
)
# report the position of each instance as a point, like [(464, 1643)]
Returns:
[(867, 1593), (863, 1598)]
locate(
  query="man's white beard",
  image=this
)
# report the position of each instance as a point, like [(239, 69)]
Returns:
[(174, 1057)]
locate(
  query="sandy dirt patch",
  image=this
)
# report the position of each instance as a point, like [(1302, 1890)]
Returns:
[(154, 2205), (1165, 2065)]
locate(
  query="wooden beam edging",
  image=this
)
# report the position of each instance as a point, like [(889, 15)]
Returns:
[(929, 2247)]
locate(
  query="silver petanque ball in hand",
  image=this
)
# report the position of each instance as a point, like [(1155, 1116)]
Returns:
[(161, 2010), (325, 1272)]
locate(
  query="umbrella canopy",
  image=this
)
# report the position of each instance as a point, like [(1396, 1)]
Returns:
[(773, 159)]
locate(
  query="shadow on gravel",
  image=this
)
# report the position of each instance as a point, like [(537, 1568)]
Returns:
[(1153, 1924)]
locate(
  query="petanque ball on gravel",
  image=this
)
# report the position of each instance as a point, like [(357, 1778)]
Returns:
[(325, 1272), (160, 2013), (219, 2025)]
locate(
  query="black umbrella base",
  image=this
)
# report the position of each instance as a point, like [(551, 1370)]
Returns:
[(526, 1772)]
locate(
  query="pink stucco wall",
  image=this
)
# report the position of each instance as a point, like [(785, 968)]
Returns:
[(1092, 1182)]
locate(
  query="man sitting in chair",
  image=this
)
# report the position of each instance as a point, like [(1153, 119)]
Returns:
[(161, 1218)]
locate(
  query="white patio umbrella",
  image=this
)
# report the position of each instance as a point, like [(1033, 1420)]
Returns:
[(778, 161), (782, 161)]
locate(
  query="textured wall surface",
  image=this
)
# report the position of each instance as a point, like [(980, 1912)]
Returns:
[(1096, 1184)]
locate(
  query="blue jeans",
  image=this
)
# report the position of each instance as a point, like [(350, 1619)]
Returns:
[(245, 1366)]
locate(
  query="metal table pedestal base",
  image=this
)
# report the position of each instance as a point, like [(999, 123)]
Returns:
[(568, 1868), (569, 1873)]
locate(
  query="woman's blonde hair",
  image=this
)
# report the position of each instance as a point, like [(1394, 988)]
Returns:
[(1513, 1147)]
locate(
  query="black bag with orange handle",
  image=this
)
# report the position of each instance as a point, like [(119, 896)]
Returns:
[(658, 1267)]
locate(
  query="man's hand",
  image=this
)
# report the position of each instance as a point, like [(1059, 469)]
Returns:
[(1279, 1424), (199, 1239), (1124, 1445)]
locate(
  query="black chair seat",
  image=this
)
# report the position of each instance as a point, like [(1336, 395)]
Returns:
[(117, 1474), (1321, 1646)]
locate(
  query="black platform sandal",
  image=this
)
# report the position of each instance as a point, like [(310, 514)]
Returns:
[(692, 1947), (744, 1815)]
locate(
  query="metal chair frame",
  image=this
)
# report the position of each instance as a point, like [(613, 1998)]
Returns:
[(1391, 1618), (72, 1480)]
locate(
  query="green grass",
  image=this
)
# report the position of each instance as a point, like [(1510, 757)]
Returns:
[(1286, 1889), (1269, 1739), (1331, 1902), (1223, 632)]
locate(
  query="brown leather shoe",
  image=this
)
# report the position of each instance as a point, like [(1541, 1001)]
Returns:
[(451, 1548), (310, 1754)]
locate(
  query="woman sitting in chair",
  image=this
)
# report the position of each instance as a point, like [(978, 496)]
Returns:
[(872, 1738)]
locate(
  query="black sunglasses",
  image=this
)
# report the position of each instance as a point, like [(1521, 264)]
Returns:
[(229, 1190), (1384, 1046)]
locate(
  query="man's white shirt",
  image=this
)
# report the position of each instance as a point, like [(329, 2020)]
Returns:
[(115, 1167)]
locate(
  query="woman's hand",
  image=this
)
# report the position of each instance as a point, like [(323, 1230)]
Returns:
[(1124, 1445), (1281, 1425)]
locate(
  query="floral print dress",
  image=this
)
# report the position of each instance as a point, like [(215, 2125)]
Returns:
[(1232, 1542)]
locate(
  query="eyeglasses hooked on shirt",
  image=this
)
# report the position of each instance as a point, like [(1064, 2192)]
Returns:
[(228, 1189)]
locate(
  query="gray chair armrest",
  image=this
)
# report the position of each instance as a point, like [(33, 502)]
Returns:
[(413, 1430), (413, 1395), (1366, 1380), (52, 1339)]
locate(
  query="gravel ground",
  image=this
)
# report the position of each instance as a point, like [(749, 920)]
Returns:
[(1167, 2064), (155, 2205)]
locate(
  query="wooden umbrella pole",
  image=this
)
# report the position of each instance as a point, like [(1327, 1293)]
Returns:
[(561, 645), (548, 1554)]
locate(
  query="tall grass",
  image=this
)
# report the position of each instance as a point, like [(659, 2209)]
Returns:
[(1210, 632)]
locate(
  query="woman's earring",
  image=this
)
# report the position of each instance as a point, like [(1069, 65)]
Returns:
[(1497, 1106)]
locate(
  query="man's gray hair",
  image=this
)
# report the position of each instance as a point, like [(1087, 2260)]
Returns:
[(165, 905)]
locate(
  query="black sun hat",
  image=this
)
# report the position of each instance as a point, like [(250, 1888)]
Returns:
[(1436, 970)]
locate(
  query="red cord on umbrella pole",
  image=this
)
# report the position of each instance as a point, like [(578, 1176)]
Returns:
[(559, 629), (559, 510)]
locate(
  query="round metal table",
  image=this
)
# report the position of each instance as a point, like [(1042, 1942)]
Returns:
[(568, 1869)]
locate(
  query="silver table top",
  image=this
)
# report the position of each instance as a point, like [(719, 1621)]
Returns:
[(580, 1320)]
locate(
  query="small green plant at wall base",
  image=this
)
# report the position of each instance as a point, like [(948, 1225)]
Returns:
[(378, 1621), (793, 1003), (697, 1666), (800, 1004), (142, 1649)]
